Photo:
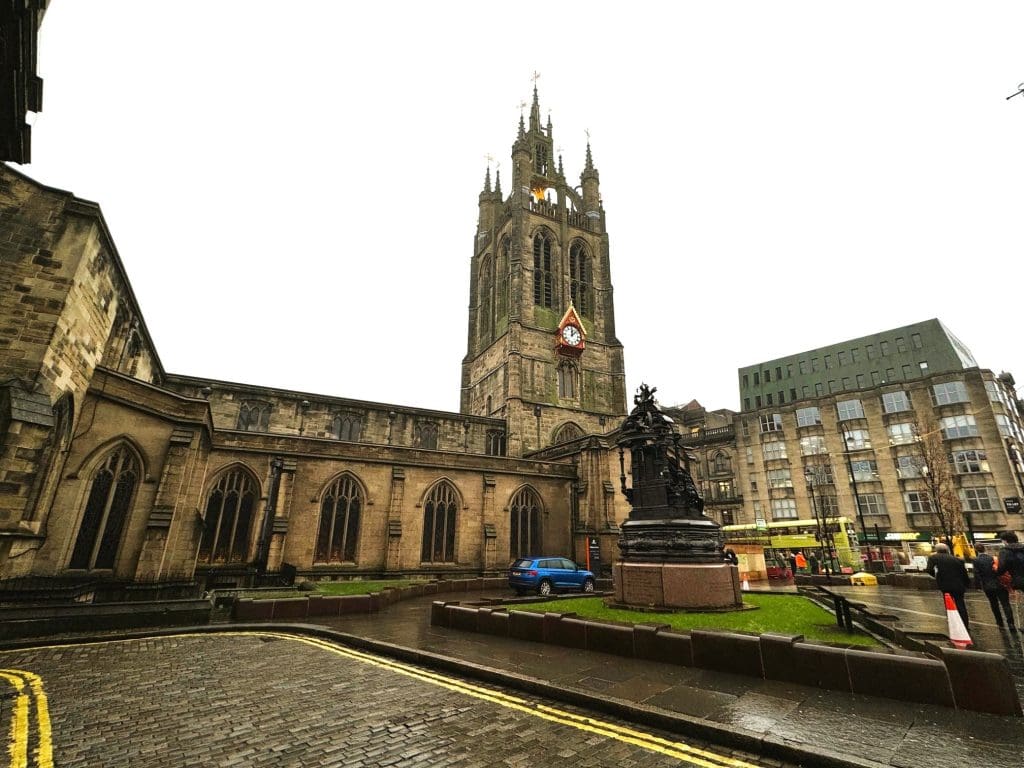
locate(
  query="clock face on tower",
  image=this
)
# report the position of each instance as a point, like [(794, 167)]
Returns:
[(571, 335)]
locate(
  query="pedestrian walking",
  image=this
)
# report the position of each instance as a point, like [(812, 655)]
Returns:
[(987, 580), (801, 561), (950, 576), (1011, 563), (812, 561), (792, 562)]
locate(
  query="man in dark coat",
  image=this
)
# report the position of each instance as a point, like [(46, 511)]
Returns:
[(986, 579), (950, 575), (1011, 561)]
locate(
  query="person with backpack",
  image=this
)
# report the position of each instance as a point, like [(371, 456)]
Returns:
[(1011, 562), (987, 581)]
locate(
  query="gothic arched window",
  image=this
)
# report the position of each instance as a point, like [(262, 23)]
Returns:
[(439, 518), (230, 509), (501, 275), (339, 522), (485, 304), (254, 416), (346, 426), (524, 523), (580, 278), (110, 499), (426, 435), (566, 432), (567, 380), (542, 279)]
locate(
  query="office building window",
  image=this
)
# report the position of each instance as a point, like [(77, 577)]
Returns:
[(783, 509), (808, 417), (954, 427), (908, 467), (917, 502), (949, 392), (771, 422), (894, 402), (902, 433), (969, 462), (864, 470), (849, 409), (872, 504), (979, 499), (779, 478), (858, 439), (774, 449), (812, 445)]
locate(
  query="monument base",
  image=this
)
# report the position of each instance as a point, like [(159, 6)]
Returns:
[(678, 585)]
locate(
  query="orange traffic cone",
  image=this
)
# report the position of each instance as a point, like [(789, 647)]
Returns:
[(957, 631)]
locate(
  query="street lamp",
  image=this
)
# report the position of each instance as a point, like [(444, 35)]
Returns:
[(823, 535), (856, 496)]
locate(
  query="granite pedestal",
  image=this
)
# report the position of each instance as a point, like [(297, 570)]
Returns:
[(694, 586)]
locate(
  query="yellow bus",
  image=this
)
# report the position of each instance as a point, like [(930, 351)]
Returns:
[(791, 535)]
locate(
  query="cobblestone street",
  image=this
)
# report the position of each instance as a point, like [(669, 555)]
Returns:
[(270, 700)]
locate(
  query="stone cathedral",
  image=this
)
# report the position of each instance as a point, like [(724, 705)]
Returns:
[(112, 468)]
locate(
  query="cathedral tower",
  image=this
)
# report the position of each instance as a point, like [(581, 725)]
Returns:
[(542, 351)]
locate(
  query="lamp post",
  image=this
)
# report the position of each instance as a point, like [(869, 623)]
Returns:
[(823, 537), (856, 496)]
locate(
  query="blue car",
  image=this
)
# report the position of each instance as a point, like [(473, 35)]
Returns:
[(544, 575)]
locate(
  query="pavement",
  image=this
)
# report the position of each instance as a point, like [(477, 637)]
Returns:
[(863, 729)]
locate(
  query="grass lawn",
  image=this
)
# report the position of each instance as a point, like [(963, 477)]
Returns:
[(358, 587), (786, 614)]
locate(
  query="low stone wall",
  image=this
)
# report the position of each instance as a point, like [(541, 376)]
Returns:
[(45, 621), (963, 679), (311, 606)]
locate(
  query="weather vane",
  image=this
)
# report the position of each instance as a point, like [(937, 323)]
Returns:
[(587, 131), (522, 106), (1020, 89), (489, 158), (535, 78)]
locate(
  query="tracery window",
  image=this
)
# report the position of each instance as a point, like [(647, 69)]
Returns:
[(542, 279), (496, 442), (524, 523), (580, 278), (501, 277), (426, 435), (485, 304), (567, 379), (110, 498), (346, 426), (439, 519), (230, 509), (339, 522), (566, 432), (254, 416)]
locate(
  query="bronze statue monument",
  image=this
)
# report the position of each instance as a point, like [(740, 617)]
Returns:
[(671, 553)]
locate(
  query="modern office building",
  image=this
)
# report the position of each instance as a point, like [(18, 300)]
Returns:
[(900, 431)]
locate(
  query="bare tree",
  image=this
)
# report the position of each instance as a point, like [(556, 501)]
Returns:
[(934, 466)]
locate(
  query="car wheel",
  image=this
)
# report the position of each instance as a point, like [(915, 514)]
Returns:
[(588, 585), (544, 588)]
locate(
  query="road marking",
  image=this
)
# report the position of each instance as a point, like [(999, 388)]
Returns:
[(44, 747), (675, 749), (18, 746)]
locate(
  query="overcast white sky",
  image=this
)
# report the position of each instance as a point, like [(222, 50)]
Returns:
[(293, 186)]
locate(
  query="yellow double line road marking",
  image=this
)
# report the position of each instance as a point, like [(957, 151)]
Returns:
[(24, 682), (675, 749)]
